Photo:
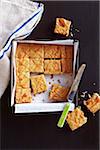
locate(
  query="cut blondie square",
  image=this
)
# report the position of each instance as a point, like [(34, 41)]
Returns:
[(58, 93), (36, 65), (62, 26), (22, 50), (22, 64), (22, 72), (36, 51), (93, 104), (52, 66), (66, 65), (76, 119), (23, 95), (23, 80), (38, 83), (67, 52), (51, 51)]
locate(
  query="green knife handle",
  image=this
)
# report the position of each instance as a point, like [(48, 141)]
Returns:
[(63, 115)]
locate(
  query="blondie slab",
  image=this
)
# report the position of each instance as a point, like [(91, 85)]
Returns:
[(62, 26), (67, 52), (22, 50), (93, 103), (66, 65), (36, 65), (38, 83), (51, 51), (52, 66), (58, 93), (76, 119), (36, 51), (23, 95)]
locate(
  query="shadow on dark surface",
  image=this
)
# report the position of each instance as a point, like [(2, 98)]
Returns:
[(40, 131)]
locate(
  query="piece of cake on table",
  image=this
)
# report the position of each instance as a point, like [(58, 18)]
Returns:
[(62, 26), (93, 103), (76, 119)]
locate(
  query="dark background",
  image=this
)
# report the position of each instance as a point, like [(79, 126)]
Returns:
[(40, 131)]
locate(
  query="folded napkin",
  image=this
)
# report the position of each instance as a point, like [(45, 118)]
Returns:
[(17, 20)]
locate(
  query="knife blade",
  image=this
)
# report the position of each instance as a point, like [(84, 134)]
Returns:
[(71, 95)]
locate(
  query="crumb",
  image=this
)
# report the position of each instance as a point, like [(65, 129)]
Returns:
[(94, 83), (71, 34), (77, 30), (51, 76), (59, 81)]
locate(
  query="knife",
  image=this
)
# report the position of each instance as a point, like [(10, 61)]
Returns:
[(71, 95)]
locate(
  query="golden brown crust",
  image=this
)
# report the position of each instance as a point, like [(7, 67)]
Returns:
[(58, 93), (36, 51), (22, 72), (23, 91), (52, 66), (23, 95), (62, 26), (23, 80), (66, 65), (67, 52), (22, 50), (38, 83), (51, 51), (93, 104), (76, 119), (37, 65)]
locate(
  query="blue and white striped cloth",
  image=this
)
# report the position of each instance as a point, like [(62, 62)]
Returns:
[(18, 18)]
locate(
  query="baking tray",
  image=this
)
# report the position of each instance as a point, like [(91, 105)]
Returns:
[(40, 102)]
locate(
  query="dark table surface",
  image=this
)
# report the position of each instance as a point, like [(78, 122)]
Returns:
[(40, 131)]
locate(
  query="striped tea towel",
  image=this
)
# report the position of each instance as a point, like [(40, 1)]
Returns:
[(17, 20)]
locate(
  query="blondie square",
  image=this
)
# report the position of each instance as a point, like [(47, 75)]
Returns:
[(38, 83), (51, 51), (52, 66), (67, 52), (76, 119), (22, 64), (58, 93), (36, 65), (62, 26), (22, 50), (23, 80), (66, 65), (93, 104), (23, 95), (22, 72), (36, 51)]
